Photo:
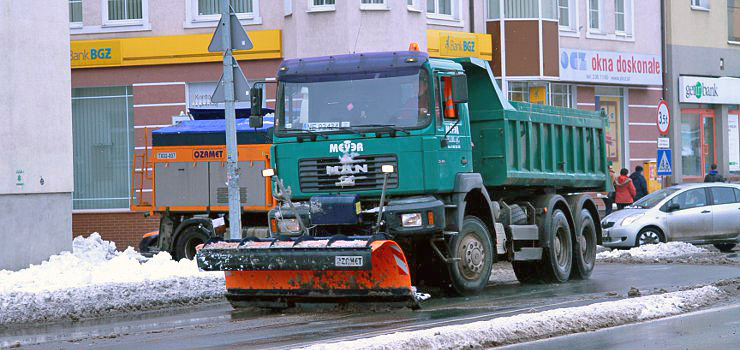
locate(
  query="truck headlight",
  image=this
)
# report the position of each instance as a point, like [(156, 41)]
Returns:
[(411, 220), (288, 225), (630, 219)]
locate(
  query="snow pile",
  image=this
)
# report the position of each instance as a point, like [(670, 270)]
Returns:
[(95, 280), (526, 327), (651, 252)]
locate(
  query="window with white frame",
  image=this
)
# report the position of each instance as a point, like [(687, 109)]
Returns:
[(493, 9), (699, 4), (568, 15), (440, 7), (320, 5), (594, 15), (287, 7), (124, 12), (561, 95), (211, 9), (373, 4), (548, 9), (623, 17), (75, 11)]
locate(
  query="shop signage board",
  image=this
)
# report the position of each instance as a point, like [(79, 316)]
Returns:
[(95, 53), (664, 118), (734, 141), (537, 95), (624, 68), (665, 167), (708, 90)]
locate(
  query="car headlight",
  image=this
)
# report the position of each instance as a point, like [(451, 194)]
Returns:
[(288, 225), (411, 220), (630, 219)]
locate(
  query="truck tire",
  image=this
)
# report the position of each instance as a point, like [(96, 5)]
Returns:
[(584, 246), (518, 215), (557, 257), (188, 240), (473, 246), (526, 272), (724, 247)]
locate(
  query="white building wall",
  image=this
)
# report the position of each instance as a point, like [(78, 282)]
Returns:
[(36, 177)]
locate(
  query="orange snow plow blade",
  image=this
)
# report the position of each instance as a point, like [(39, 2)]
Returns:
[(271, 272)]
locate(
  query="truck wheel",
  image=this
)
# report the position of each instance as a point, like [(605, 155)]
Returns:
[(518, 216), (557, 258), (188, 240), (724, 247), (526, 272), (473, 246), (584, 247)]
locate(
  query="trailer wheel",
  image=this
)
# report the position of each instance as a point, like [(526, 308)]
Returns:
[(188, 240), (557, 258), (584, 247), (473, 246), (518, 215)]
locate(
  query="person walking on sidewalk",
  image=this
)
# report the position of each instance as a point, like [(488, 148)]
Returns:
[(625, 190), (640, 184), (713, 175)]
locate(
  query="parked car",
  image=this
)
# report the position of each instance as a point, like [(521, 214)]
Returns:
[(705, 213)]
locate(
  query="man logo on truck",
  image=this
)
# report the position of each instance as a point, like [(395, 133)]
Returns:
[(345, 147)]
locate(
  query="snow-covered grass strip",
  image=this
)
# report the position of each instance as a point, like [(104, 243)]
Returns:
[(96, 280), (526, 327)]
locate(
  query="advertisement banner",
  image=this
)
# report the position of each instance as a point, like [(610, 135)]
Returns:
[(610, 67), (734, 139), (708, 90), (95, 53)]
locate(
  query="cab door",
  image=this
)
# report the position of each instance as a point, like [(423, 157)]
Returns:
[(452, 124), (725, 212), (691, 217)]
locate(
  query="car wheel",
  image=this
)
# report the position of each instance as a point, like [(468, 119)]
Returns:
[(724, 247), (649, 235)]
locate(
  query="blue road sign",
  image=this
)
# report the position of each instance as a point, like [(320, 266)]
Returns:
[(665, 167)]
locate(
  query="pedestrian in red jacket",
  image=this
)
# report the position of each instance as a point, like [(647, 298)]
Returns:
[(625, 190)]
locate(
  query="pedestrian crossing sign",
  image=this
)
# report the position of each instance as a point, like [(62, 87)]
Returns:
[(665, 167)]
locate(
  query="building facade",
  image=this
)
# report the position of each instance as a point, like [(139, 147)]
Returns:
[(586, 54), (138, 65), (36, 136), (703, 52)]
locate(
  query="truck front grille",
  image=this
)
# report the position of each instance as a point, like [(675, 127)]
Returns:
[(333, 175)]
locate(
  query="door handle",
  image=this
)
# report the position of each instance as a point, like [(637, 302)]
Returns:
[(705, 212)]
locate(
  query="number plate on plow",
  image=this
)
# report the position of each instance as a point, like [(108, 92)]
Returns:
[(346, 261)]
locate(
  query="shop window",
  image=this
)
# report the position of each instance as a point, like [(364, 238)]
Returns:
[(734, 142), (561, 95), (518, 91), (594, 15), (698, 149), (321, 5), (102, 124), (733, 20), (75, 12), (125, 12)]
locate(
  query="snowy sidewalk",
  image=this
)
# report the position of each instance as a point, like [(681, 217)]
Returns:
[(526, 327), (662, 253), (96, 280)]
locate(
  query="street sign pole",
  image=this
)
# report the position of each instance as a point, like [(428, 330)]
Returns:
[(232, 156)]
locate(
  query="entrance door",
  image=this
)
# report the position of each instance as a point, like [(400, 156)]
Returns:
[(693, 217), (698, 145), (610, 105)]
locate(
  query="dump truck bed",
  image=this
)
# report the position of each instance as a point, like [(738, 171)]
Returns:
[(527, 145)]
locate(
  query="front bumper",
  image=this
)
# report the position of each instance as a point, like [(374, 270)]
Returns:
[(619, 237)]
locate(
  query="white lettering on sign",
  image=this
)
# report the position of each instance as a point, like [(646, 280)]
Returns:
[(345, 147), (348, 261), (166, 155)]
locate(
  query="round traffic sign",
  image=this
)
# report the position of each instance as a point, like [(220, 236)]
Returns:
[(664, 118)]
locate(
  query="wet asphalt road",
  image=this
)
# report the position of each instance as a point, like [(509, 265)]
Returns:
[(717, 328), (216, 326)]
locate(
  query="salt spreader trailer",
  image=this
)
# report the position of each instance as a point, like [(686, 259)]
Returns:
[(395, 169), (187, 171)]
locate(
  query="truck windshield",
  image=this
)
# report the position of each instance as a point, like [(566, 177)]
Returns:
[(339, 105)]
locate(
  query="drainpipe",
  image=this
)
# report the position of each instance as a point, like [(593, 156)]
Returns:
[(502, 28), (471, 15)]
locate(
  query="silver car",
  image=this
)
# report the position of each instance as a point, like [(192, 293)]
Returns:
[(705, 213)]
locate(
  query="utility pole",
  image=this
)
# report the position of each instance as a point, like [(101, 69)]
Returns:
[(232, 153)]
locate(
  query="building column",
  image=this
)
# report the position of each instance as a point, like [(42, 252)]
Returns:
[(722, 139)]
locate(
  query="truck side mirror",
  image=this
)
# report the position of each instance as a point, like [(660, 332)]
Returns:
[(459, 88), (255, 107)]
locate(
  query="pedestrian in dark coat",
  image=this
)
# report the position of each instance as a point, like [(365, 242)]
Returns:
[(713, 175), (640, 184), (625, 190)]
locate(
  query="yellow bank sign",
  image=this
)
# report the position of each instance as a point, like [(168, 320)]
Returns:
[(95, 53), (442, 43)]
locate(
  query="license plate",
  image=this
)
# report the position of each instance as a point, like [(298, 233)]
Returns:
[(347, 261)]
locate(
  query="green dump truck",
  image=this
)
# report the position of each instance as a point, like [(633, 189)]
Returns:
[(428, 154)]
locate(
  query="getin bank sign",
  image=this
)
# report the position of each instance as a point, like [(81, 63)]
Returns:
[(708, 90), (610, 67)]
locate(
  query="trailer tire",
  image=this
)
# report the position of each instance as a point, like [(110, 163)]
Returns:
[(584, 246), (557, 258), (188, 240), (518, 215), (473, 246)]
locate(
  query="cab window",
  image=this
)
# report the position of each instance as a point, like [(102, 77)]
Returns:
[(690, 199), (723, 195)]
